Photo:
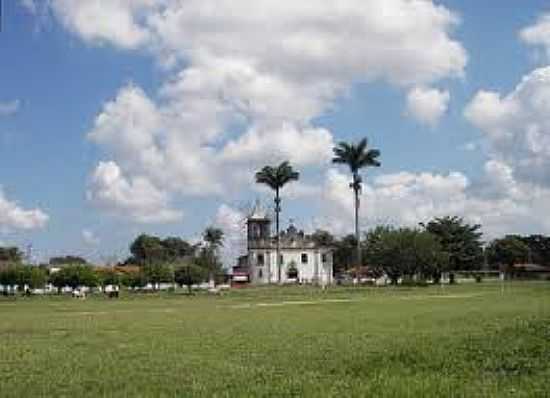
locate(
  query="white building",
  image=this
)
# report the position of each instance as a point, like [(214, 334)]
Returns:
[(302, 259)]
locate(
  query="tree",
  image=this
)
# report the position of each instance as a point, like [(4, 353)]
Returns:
[(539, 249), (74, 276), (10, 255), (176, 249), (405, 252), (9, 275), (158, 273), (189, 274), (507, 252), (344, 252), (356, 157), (276, 178), (460, 240), (134, 279), (64, 260), (108, 276), (214, 240), (147, 249), (33, 277), (323, 238)]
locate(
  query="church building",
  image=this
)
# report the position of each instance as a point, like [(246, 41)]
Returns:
[(302, 259)]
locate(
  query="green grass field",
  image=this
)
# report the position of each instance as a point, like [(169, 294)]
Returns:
[(463, 341)]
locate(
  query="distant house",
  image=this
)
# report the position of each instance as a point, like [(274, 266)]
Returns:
[(530, 271), (302, 259)]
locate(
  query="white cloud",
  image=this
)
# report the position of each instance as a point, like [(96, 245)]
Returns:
[(246, 79), (9, 108), (427, 105), (13, 216), (90, 238), (538, 34), (517, 127), (501, 205), (119, 22), (233, 224), (136, 198), (300, 146)]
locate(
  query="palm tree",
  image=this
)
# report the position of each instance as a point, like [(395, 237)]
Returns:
[(276, 178), (214, 239), (356, 157)]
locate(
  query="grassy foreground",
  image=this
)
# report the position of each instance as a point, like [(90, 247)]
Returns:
[(460, 341)]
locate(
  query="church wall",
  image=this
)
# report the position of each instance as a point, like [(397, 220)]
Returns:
[(307, 272)]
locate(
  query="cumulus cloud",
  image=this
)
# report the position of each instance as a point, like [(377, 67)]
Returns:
[(13, 216), (136, 198), (427, 105), (245, 80), (232, 222), (9, 108), (90, 238), (517, 127), (500, 204), (538, 34), (117, 22)]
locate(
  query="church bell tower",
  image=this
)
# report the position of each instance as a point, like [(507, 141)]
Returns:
[(259, 227)]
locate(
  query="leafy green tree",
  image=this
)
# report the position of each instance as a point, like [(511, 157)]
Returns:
[(177, 249), (190, 274), (539, 248), (356, 157), (147, 249), (323, 238), (33, 277), (134, 279), (507, 252), (37, 278), (276, 178), (10, 255), (210, 254), (158, 273), (344, 252), (74, 276), (405, 252), (108, 277), (460, 240), (67, 260), (9, 275)]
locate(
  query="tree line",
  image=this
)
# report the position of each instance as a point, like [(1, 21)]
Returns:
[(153, 261), (442, 245)]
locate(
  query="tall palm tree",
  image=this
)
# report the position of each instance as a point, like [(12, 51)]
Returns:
[(214, 239), (276, 178), (356, 156)]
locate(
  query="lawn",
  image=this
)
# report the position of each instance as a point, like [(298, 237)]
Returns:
[(471, 340)]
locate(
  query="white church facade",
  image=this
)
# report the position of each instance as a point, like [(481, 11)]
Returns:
[(302, 259)]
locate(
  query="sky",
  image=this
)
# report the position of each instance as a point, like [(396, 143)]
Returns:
[(123, 117)]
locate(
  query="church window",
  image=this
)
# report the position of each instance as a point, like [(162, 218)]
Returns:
[(324, 257), (260, 259), (292, 272), (304, 258)]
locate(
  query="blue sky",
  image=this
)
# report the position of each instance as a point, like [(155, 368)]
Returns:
[(70, 185)]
